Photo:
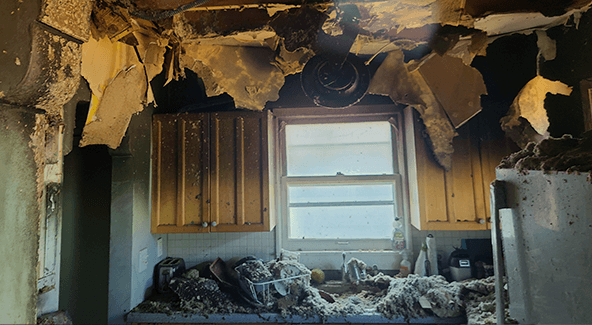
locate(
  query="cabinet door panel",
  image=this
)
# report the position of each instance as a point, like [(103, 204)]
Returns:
[(239, 171), (224, 171), (194, 171), (164, 172), (446, 200), (180, 181)]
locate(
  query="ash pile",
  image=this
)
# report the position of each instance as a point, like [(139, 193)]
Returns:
[(283, 286), (554, 154)]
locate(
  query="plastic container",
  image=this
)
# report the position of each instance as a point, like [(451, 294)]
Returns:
[(405, 266)]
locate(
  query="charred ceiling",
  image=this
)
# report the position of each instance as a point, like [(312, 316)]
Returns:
[(247, 49)]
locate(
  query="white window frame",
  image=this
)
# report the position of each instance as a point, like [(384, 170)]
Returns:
[(391, 113)]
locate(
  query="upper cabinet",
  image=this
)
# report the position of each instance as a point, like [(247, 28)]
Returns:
[(457, 199), (211, 172)]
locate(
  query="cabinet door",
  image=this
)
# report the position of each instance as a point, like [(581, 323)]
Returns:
[(180, 185), (239, 171), (440, 199)]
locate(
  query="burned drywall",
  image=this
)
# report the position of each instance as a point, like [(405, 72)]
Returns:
[(408, 86), (457, 86), (71, 17), (118, 75), (249, 75), (529, 109), (53, 73), (124, 97)]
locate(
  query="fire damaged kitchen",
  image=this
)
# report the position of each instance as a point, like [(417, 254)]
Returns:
[(307, 162)]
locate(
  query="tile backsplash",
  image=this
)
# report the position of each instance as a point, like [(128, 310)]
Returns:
[(446, 241), (197, 248)]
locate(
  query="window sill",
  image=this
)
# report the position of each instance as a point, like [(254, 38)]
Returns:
[(333, 260)]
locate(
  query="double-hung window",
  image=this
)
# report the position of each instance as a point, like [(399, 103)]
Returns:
[(341, 181)]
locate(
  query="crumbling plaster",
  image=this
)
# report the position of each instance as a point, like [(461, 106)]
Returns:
[(40, 73)]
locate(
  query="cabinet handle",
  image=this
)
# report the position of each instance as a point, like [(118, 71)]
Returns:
[(204, 224), (481, 221), (214, 224)]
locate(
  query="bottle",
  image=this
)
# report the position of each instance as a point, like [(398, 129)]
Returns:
[(420, 264), (405, 266)]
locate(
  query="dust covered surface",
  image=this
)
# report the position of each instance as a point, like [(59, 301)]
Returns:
[(390, 297), (554, 154)]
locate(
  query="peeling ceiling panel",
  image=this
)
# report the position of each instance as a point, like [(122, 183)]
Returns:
[(529, 105), (119, 84), (249, 74), (395, 15), (394, 79), (174, 4), (101, 61), (514, 22), (480, 8), (192, 25), (457, 86), (124, 96)]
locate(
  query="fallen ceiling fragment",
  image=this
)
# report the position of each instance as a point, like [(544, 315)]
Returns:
[(119, 84), (409, 87), (457, 87), (528, 109), (124, 96)]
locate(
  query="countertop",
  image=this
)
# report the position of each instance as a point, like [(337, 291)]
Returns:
[(370, 318)]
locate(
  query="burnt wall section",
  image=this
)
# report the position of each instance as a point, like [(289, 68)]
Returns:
[(83, 95), (40, 62), (15, 42), (19, 216), (85, 230), (571, 65)]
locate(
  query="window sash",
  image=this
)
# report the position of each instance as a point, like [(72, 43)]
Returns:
[(320, 116), (316, 244)]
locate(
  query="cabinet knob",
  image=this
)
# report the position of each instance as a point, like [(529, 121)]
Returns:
[(204, 224), (214, 224), (481, 221)]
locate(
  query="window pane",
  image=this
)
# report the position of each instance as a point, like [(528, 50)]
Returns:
[(340, 193), (348, 148), (371, 222)]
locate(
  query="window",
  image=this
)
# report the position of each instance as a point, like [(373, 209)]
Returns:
[(341, 181)]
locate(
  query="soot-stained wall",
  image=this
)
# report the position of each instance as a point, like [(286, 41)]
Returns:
[(85, 229)]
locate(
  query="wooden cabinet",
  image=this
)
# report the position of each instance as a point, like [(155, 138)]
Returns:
[(457, 199), (211, 172)]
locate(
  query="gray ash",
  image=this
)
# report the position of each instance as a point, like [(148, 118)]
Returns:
[(553, 154), (390, 296)]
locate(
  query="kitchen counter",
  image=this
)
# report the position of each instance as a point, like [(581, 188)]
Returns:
[(145, 318)]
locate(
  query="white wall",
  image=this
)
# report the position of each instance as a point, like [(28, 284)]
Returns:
[(130, 278)]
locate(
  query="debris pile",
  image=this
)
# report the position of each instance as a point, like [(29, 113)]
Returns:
[(291, 294), (553, 154)]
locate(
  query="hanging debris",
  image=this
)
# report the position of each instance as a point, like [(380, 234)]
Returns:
[(527, 120), (405, 86)]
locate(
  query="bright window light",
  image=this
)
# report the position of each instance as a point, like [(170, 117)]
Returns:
[(340, 182), (346, 148)]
